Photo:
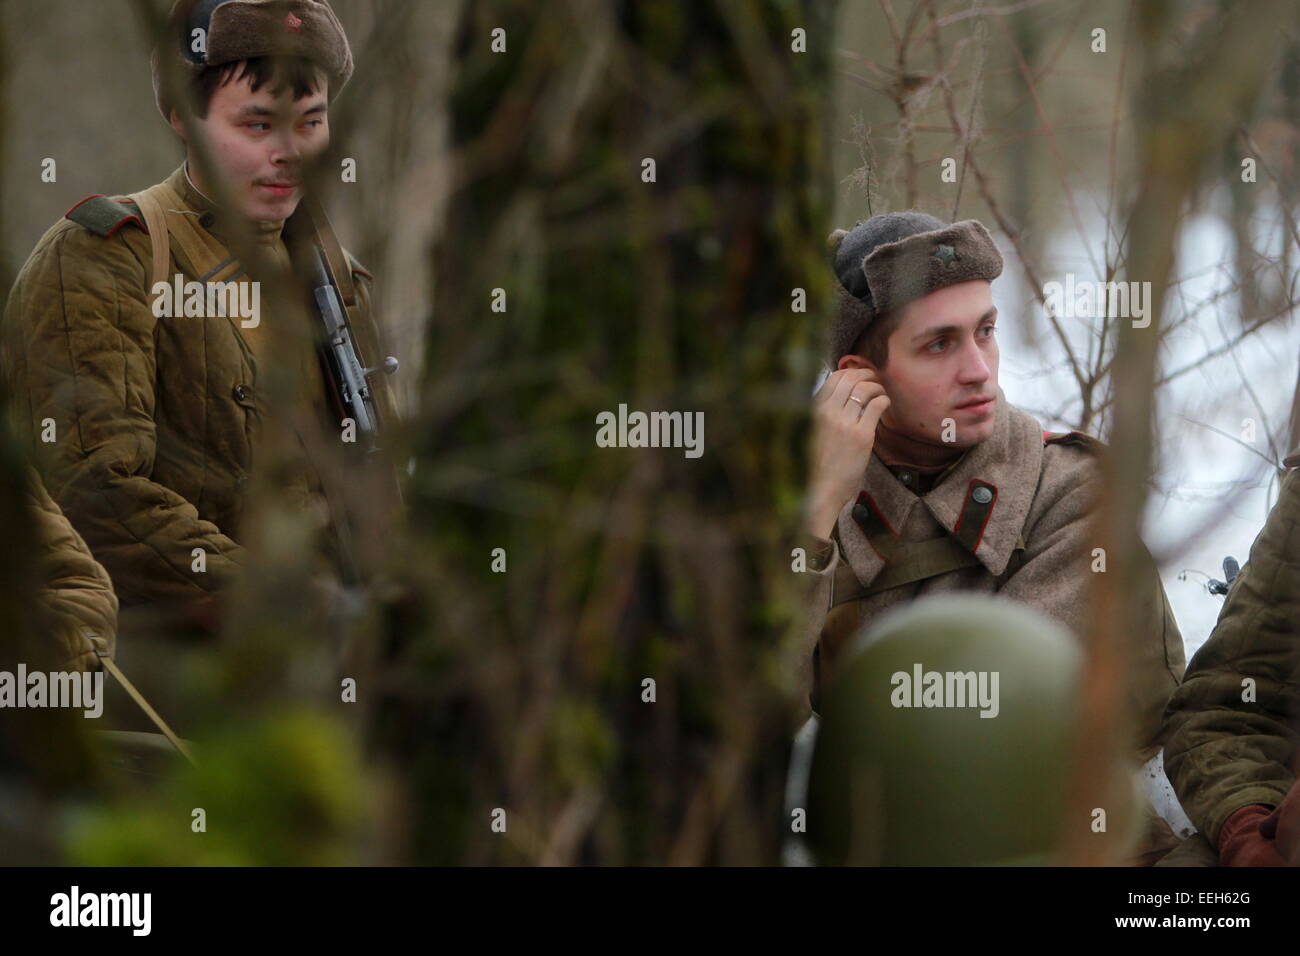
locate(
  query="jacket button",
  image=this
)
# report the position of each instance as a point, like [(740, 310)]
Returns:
[(905, 477), (206, 220), (982, 495), (242, 392)]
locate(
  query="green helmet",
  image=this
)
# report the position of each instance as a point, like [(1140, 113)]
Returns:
[(947, 738)]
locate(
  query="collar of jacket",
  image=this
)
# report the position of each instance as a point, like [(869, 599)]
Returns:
[(1010, 460), (212, 217)]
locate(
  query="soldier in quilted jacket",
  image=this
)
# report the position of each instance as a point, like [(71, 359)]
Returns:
[(143, 421)]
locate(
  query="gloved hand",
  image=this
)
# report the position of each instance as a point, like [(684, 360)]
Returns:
[(1282, 826), (1242, 844)]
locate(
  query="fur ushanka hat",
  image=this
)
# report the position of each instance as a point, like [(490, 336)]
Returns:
[(236, 30), (892, 259)]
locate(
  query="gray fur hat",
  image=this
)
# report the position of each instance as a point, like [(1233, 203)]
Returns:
[(892, 259)]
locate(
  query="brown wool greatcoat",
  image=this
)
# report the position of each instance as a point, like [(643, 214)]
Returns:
[(1031, 544)]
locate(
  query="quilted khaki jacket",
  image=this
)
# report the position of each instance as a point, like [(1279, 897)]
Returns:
[(1030, 543), (1234, 725), (155, 419)]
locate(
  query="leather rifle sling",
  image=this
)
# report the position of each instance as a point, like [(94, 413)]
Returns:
[(335, 258)]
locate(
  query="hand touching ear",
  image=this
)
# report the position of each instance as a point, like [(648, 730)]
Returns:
[(845, 413)]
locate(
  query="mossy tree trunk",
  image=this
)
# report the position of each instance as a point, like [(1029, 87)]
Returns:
[(525, 688)]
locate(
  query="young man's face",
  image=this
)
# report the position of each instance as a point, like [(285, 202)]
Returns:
[(260, 142), (942, 364)]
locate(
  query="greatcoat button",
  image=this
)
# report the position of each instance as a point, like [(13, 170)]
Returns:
[(982, 495), (207, 219), (905, 477), (241, 392)]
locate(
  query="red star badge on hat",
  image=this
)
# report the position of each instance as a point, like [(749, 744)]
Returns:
[(292, 23)]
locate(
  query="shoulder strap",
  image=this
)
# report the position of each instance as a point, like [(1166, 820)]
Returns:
[(209, 260), (156, 225), (1078, 439), (103, 216)]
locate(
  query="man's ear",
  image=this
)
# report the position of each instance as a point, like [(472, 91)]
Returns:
[(853, 361), (175, 119)]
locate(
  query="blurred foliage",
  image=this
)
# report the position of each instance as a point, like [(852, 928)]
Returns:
[(284, 790)]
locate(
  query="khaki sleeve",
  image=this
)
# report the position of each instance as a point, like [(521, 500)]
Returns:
[(78, 349), (75, 588), (823, 558), (1232, 726)]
